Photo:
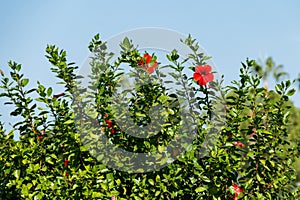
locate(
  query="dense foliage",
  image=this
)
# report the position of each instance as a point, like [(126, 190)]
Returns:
[(251, 157)]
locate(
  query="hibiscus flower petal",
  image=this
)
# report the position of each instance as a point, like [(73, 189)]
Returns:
[(203, 70), (202, 81), (148, 58), (197, 76), (207, 68), (150, 70), (155, 64), (198, 69), (209, 77)]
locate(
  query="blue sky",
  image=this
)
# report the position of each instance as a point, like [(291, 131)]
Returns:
[(230, 31)]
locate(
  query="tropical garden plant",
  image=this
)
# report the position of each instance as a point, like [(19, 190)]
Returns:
[(247, 153)]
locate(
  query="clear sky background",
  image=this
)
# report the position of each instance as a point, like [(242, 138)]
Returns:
[(230, 31)]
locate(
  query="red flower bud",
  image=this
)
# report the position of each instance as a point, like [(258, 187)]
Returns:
[(237, 190), (66, 162), (112, 131), (238, 144), (109, 123)]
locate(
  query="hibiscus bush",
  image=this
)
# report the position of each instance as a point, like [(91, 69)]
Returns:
[(239, 149)]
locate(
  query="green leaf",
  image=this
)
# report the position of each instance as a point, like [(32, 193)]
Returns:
[(260, 179), (138, 114), (157, 178), (263, 161), (126, 45), (24, 82), (17, 67), (278, 89), (36, 167), (104, 186), (96, 194), (200, 189), (118, 181), (291, 92), (161, 148), (49, 91), (157, 193), (151, 181), (69, 121), (53, 156), (206, 179), (17, 174), (249, 182), (48, 160), (97, 36)]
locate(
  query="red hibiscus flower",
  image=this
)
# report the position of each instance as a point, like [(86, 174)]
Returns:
[(146, 62), (237, 190), (203, 74), (238, 144), (109, 123), (66, 162)]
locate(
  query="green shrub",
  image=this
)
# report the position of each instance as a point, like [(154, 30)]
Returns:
[(251, 157)]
